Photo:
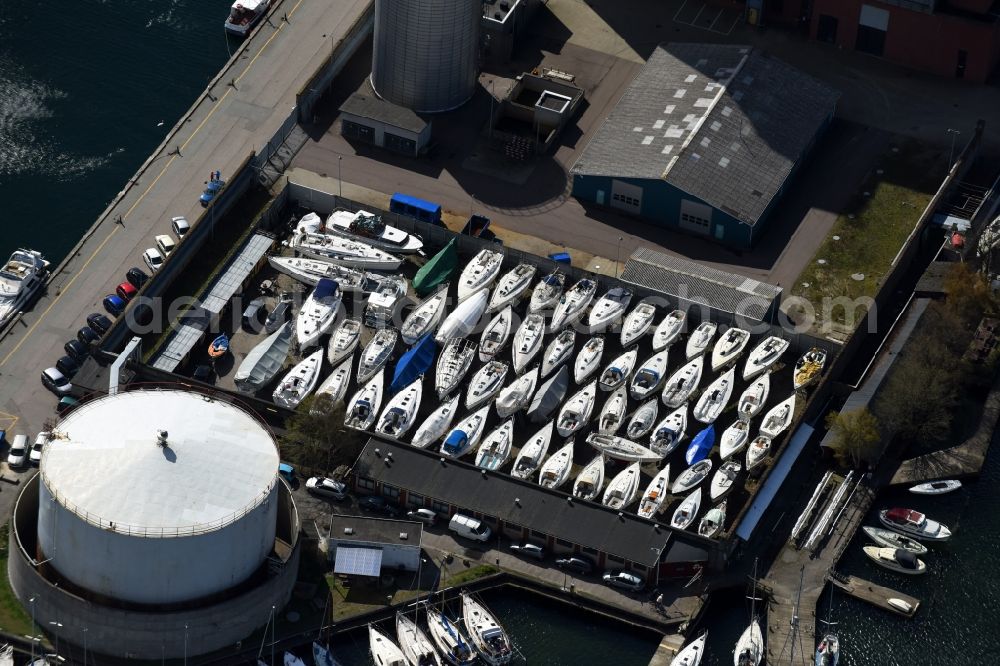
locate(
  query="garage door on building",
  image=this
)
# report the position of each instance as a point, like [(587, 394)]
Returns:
[(872, 26), (626, 197), (695, 217)]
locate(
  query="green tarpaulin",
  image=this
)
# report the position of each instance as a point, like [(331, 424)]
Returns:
[(438, 270)]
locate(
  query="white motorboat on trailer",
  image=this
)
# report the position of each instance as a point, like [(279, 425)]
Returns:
[(692, 476), (915, 524), (416, 647), (556, 469), (758, 450), (715, 398), (734, 438), (401, 411), (384, 651), (608, 308), (896, 559), (463, 320), (547, 292), (936, 487), (362, 408), (300, 381), (527, 341), (713, 521), (486, 383), (668, 330), (613, 413), (683, 383), (334, 387), (318, 314), (479, 274), (623, 488), (778, 417), (425, 317), (637, 323), (517, 396), (531, 455), (589, 482), (344, 341), (572, 304), (465, 436), (669, 432), (487, 635), (496, 334), (890, 539), (649, 377), (576, 412), (589, 359), (558, 352), (729, 347), (620, 448), (376, 353), (310, 271), (724, 478), (494, 452), (452, 365), (701, 339), (656, 493), (510, 287), (369, 228), (763, 356), (437, 424), (618, 371), (642, 420), (754, 397), (344, 251), (686, 511)]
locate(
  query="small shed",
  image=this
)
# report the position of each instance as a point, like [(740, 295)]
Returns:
[(364, 546)]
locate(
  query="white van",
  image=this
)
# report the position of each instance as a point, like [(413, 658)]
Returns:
[(469, 527)]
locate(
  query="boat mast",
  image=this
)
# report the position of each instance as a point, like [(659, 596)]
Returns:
[(795, 616)]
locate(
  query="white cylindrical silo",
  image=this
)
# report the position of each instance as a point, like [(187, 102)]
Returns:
[(425, 52)]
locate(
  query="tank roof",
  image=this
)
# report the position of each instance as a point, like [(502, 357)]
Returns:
[(106, 466)]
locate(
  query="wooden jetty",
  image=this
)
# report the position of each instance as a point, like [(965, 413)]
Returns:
[(874, 594)]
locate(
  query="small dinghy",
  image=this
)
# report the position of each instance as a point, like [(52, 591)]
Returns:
[(914, 524), (362, 408), (556, 469), (425, 317), (510, 287), (401, 411), (322, 656), (437, 424), (896, 559), (936, 487), (692, 654), (572, 304), (589, 482), (809, 368), (547, 293), (687, 511), (530, 458), (669, 432), (753, 398), (486, 383), (464, 319), (701, 445), (589, 359), (517, 396), (904, 607), (683, 383), (763, 356), (758, 450), (558, 351), (642, 420), (318, 313), (344, 341), (734, 438), (310, 271), (465, 436), (649, 377), (376, 353), (778, 417), (713, 521), (479, 274), (486, 633), (724, 478), (691, 477), (384, 651), (729, 347), (334, 387), (343, 251), (715, 398), (416, 647), (300, 381), (528, 341), (613, 413), (548, 397), (371, 229), (219, 346), (620, 448), (452, 365), (576, 412), (656, 493), (608, 308), (494, 452), (701, 339), (637, 323), (622, 490), (264, 361), (618, 371), (890, 539), (455, 646), (669, 330), (496, 335)]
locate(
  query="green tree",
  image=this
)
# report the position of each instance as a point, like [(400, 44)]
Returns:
[(316, 438), (857, 439)]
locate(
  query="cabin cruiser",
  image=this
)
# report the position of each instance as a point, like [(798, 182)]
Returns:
[(370, 229), (244, 15), (21, 277)]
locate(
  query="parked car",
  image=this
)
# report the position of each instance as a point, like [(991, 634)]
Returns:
[(115, 305), (18, 454), (426, 516), (577, 564), (379, 504), (87, 335), (67, 365), (180, 226), (56, 381), (136, 277), (212, 188), (66, 403), (529, 550), (98, 322), (165, 244), (41, 440), (203, 373), (624, 580), (76, 350), (324, 487), (153, 259), (287, 472), (126, 291), (469, 527)]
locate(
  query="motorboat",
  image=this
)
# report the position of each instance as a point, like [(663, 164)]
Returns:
[(300, 381), (452, 365), (465, 436), (715, 397), (510, 286), (754, 397), (778, 418), (669, 432), (385, 294), (724, 478), (556, 469), (244, 15), (384, 651), (686, 511), (701, 339), (637, 323), (613, 413), (547, 293), (219, 346), (528, 341), (487, 635), (344, 251), (437, 424), (318, 314), (896, 559), (517, 396), (558, 352), (494, 452), (451, 642), (264, 361), (548, 397), (890, 539), (310, 271), (531, 455), (914, 524), (572, 304), (901, 605), (809, 368), (376, 353), (691, 477), (668, 330), (401, 411), (486, 383), (649, 377), (655, 495), (763, 356), (416, 647), (619, 370), (362, 408), (322, 656), (425, 317), (344, 341), (620, 448), (369, 228), (576, 412), (936, 487), (590, 480), (683, 383), (692, 653), (729, 347), (623, 488), (750, 646), (463, 320), (757, 451), (479, 274), (701, 445), (713, 521), (589, 359), (734, 438), (335, 385), (828, 651), (496, 335), (608, 308), (642, 420)]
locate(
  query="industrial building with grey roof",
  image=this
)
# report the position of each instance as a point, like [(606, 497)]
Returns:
[(705, 139)]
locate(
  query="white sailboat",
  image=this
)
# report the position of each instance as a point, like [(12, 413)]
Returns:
[(763, 356), (463, 320), (572, 304), (344, 251), (322, 656), (318, 313), (701, 339), (715, 398), (589, 359), (713, 521), (344, 341), (452, 365), (479, 274), (310, 271), (613, 413), (683, 383), (465, 436), (687, 511), (669, 432), (724, 478), (437, 424), (450, 641), (517, 396), (288, 658), (496, 334), (750, 646), (363, 406), (754, 397), (576, 412), (590, 479), (656, 493), (637, 323), (425, 317), (556, 469), (642, 420), (401, 411), (300, 381), (531, 455), (376, 353), (758, 450), (547, 292), (619, 370), (692, 476), (669, 330), (620, 448), (416, 647), (487, 635), (486, 383), (510, 287), (729, 347), (370, 229), (650, 376), (734, 438), (691, 655), (778, 418), (527, 341), (20, 279), (384, 651), (494, 452), (558, 351), (335, 386), (608, 308), (623, 488)]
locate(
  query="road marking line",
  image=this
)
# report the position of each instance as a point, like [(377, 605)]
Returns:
[(710, 25)]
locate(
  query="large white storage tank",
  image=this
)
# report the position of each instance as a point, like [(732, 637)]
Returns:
[(425, 52), (158, 497)]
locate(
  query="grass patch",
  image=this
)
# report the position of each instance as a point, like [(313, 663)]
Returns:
[(13, 618), (469, 575)]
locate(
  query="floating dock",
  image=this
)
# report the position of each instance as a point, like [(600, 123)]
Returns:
[(874, 594)]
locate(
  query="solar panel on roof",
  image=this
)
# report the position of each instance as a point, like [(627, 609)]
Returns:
[(354, 561)]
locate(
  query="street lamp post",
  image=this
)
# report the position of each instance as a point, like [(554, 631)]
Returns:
[(340, 177), (618, 257), (951, 155)]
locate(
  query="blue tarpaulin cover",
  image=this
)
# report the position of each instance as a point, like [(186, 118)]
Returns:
[(700, 446), (415, 362)]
